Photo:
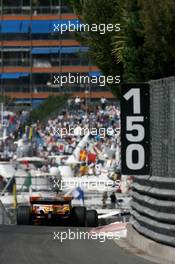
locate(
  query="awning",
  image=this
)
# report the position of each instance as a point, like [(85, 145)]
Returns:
[(25, 26), (73, 22), (14, 75), (10, 75), (40, 50), (45, 50), (84, 49), (95, 74), (15, 49), (24, 74), (22, 101), (70, 50), (65, 50), (39, 26), (55, 49), (10, 26)]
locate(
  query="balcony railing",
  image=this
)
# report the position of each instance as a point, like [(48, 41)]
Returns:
[(15, 63), (43, 63), (45, 88), (43, 37), (35, 10)]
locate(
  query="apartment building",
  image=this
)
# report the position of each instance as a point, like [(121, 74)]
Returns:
[(32, 52)]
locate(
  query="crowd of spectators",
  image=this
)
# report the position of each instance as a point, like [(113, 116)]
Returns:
[(60, 136)]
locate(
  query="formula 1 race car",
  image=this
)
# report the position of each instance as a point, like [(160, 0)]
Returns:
[(56, 210)]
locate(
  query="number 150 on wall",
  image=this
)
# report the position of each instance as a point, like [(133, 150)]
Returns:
[(135, 129)]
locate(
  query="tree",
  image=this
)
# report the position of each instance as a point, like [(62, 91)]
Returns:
[(101, 45), (6, 99), (128, 46), (146, 44), (53, 104), (158, 18), (144, 48)]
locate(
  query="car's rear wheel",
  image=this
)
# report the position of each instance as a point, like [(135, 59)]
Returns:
[(91, 218), (79, 216), (23, 215)]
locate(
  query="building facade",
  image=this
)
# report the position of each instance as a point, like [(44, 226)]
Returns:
[(33, 52)]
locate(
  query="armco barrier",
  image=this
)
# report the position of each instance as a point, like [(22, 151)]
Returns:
[(153, 208), (153, 203), (5, 218)]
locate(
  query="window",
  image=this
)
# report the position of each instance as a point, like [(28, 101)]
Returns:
[(16, 58)]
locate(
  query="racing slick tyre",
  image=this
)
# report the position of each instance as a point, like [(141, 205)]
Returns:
[(23, 216), (91, 218), (79, 216)]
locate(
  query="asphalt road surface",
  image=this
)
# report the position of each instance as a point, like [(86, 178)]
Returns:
[(36, 245)]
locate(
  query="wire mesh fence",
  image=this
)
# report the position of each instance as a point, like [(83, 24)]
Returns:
[(153, 196), (162, 109)]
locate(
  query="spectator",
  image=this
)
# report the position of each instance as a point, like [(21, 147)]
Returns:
[(104, 200), (113, 200), (77, 102), (103, 103)]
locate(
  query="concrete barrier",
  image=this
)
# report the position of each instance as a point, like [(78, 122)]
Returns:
[(162, 253)]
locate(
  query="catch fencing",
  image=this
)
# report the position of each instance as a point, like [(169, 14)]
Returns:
[(153, 203)]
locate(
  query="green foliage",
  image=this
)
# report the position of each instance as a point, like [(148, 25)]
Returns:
[(128, 47), (158, 19), (48, 107), (101, 45), (6, 99), (144, 48)]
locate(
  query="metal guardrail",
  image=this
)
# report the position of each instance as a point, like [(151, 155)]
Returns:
[(5, 217), (153, 203), (153, 208), (35, 10)]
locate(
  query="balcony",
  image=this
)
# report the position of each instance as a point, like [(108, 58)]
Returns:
[(23, 88), (43, 63), (35, 10)]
